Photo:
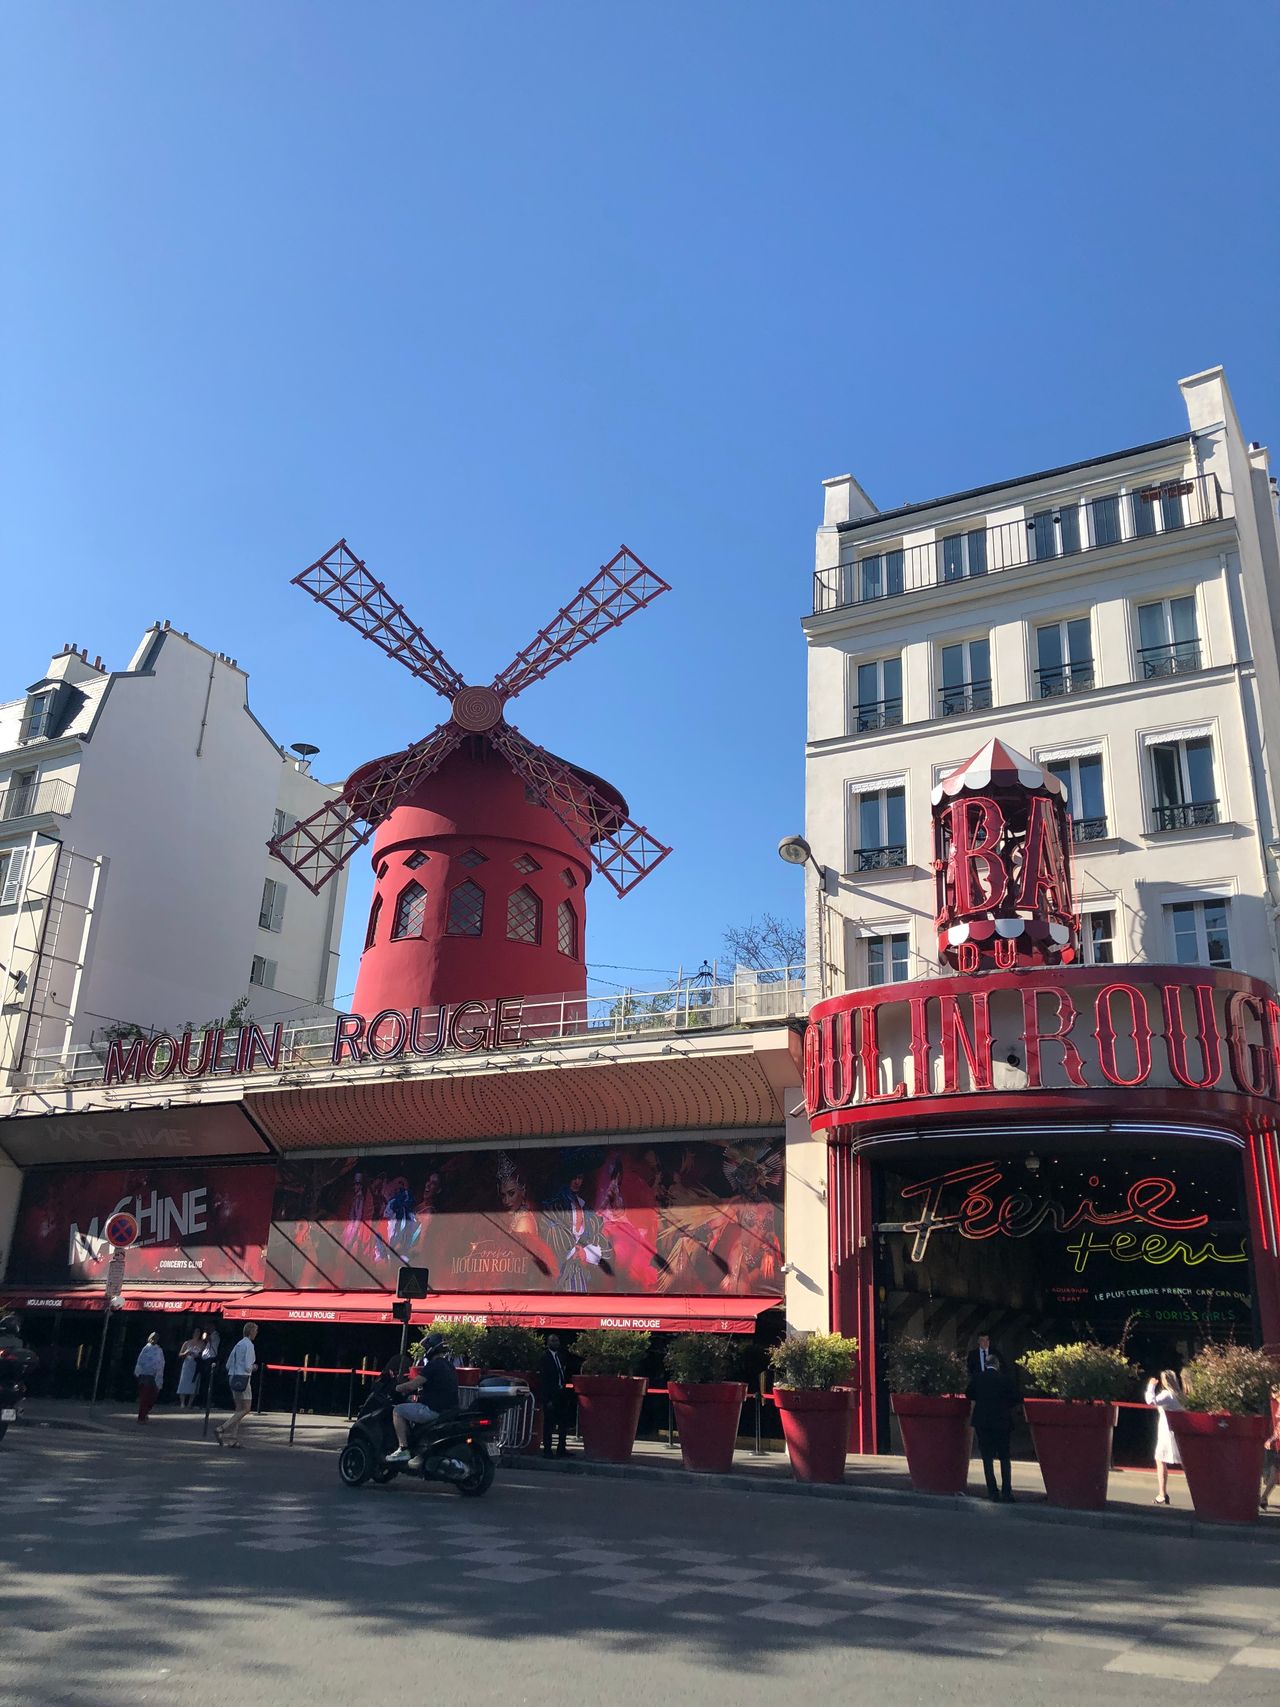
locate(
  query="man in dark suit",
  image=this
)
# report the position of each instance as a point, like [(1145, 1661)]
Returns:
[(555, 1400), (995, 1397), (980, 1356)]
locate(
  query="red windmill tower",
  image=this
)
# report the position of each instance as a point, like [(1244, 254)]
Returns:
[(484, 842)]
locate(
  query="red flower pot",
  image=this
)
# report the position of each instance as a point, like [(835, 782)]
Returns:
[(609, 1414), (1222, 1456), (707, 1414), (1072, 1438), (816, 1428), (935, 1438)]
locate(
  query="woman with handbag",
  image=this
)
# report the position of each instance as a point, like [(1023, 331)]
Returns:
[(240, 1366)]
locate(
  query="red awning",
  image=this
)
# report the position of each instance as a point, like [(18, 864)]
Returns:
[(662, 1315), (164, 1298)]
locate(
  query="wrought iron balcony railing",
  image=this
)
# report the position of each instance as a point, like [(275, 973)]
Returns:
[(882, 859), (1088, 829), (35, 800), (878, 714), (1186, 815), (1177, 658), (1088, 523), (1065, 678), (969, 696)]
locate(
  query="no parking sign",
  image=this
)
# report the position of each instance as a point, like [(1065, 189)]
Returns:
[(121, 1229)]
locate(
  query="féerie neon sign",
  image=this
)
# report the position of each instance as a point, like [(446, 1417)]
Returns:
[(981, 1213)]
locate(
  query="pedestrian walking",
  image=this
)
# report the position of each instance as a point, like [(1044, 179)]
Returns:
[(995, 1397), (1165, 1392), (1271, 1457), (240, 1367), (555, 1398), (189, 1374), (149, 1373), (208, 1363)]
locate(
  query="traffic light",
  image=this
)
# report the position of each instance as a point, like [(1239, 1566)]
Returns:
[(401, 1310)]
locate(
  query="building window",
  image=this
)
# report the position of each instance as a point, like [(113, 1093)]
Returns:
[(466, 910), (879, 694), (1104, 519), (525, 864), (415, 859), (880, 575), (1082, 779), (1168, 642), (1053, 533), (263, 972), (271, 912), (963, 555), (1098, 937), (524, 917), (19, 799), (38, 718), (566, 929), (282, 822), (882, 829), (888, 958), (966, 677), (472, 858), (1183, 791), (568, 879), (371, 930), (411, 912), (1064, 657), (12, 861), (1199, 933)]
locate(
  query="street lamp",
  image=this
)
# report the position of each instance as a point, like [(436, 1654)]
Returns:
[(796, 851)]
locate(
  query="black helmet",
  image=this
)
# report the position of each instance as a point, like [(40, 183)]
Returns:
[(432, 1345)]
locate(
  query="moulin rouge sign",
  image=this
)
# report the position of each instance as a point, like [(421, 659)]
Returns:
[(459, 1026)]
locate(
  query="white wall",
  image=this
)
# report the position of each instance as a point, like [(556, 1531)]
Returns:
[(807, 1288)]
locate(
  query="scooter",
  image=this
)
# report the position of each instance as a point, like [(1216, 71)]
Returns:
[(458, 1447), (15, 1363)]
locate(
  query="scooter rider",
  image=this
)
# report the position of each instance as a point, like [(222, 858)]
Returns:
[(435, 1383)]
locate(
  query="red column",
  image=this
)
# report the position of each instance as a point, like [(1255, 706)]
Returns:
[(853, 1286)]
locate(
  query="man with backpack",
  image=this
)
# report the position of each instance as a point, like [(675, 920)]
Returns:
[(240, 1367)]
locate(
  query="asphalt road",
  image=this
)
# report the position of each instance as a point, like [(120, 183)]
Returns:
[(137, 1569)]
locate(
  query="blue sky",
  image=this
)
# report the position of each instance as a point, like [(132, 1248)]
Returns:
[(491, 288)]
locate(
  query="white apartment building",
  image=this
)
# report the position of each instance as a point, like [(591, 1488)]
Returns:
[(136, 890), (1114, 619)]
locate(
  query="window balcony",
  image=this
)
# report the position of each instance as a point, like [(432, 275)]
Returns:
[(35, 800), (882, 859), (1091, 523), (880, 714), (969, 696), (1065, 678), (1177, 658), (1088, 830), (1186, 815)]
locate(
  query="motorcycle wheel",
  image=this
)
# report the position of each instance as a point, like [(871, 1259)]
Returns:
[(355, 1464), (481, 1478), (4, 1427), (384, 1474)]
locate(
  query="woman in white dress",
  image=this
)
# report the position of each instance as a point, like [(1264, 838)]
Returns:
[(189, 1373), (1165, 1392)]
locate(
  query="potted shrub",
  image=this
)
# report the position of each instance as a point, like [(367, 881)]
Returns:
[(1227, 1390), (706, 1399), (509, 1348), (1074, 1418), (610, 1390), (464, 1340), (927, 1396), (812, 1376)]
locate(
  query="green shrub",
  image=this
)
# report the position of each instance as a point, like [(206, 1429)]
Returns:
[(511, 1346), (813, 1362), (611, 1351), (463, 1339), (919, 1366), (691, 1358), (1082, 1371), (1230, 1378)]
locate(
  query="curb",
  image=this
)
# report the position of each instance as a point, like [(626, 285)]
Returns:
[(1132, 1523)]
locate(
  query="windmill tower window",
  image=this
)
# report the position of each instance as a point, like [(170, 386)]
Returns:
[(466, 910), (472, 858), (415, 859), (411, 912), (525, 864), (568, 879), (566, 930), (372, 930), (524, 916)]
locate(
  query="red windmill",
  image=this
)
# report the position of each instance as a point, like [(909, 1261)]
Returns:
[(481, 866)]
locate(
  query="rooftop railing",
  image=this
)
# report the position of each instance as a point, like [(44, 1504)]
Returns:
[(1058, 530)]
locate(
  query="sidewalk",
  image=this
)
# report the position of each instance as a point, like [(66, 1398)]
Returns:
[(882, 1478)]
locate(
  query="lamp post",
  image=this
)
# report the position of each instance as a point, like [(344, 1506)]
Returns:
[(796, 851)]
